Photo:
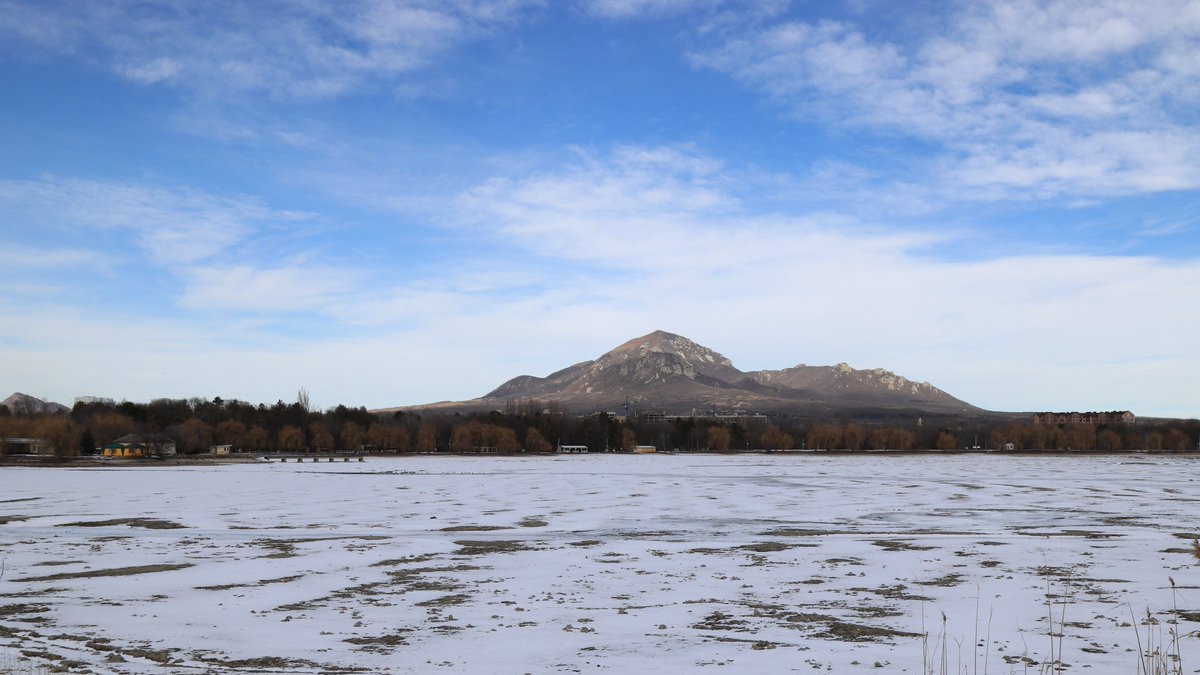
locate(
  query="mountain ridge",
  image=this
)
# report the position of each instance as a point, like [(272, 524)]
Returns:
[(664, 371), (24, 404)]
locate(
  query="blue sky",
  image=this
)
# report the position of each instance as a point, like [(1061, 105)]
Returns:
[(398, 202)]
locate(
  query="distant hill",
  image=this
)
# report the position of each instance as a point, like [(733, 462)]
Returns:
[(667, 372), (24, 404)]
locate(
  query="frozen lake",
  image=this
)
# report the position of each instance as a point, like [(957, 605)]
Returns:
[(614, 563)]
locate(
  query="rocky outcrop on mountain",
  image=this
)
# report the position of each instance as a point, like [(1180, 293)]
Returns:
[(842, 381), (24, 404), (667, 372)]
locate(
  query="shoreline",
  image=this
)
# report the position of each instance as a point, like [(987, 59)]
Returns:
[(271, 458)]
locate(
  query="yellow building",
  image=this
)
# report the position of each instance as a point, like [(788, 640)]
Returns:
[(140, 445)]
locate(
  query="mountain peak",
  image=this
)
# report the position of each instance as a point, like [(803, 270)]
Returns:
[(694, 356), (653, 341), (24, 404), (666, 371)]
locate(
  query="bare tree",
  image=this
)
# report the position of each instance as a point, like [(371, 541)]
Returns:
[(536, 442), (903, 439), (109, 426), (320, 436), (255, 438), (460, 439), (773, 438), (504, 439), (1154, 441), (825, 436), (853, 436), (291, 438), (353, 437), (194, 435), (946, 441), (427, 438), (230, 432), (1108, 440), (1176, 440), (628, 439), (59, 433), (719, 439), (399, 439)]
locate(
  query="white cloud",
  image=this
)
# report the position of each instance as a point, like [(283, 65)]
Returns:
[(618, 9), (242, 288), (220, 249), (151, 72), (774, 290), (1043, 98), (20, 258), (291, 50), (627, 9), (572, 260), (172, 226)]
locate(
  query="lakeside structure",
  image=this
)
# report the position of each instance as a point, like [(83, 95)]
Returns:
[(26, 446), (141, 445)]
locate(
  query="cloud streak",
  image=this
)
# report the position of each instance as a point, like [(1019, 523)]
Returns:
[(824, 290), (604, 247), (287, 50), (217, 247), (925, 194), (1025, 99)]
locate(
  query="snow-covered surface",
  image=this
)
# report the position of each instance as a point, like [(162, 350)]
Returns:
[(761, 563)]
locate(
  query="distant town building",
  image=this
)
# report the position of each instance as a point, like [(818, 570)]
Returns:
[(717, 416), (1115, 417), (94, 399)]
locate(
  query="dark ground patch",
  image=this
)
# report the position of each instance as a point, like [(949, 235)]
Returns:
[(476, 547), (111, 572), (147, 523)]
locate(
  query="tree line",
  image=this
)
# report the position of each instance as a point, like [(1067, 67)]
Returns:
[(535, 426)]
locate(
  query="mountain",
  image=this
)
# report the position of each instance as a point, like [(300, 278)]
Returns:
[(24, 404), (670, 373)]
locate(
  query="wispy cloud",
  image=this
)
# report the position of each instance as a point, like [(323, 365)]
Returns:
[(266, 291), (824, 289), (1024, 99), (172, 226), (437, 250), (22, 258), (571, 260), (219, 248), (288, 50)]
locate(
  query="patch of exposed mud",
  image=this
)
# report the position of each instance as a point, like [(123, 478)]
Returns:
[(482, 547), (263, 582), (147, 523), (111, 572)]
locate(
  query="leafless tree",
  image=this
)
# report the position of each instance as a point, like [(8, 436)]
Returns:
[(719, 439)]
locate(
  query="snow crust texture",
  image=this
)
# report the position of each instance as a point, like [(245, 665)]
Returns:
[(731, 564)]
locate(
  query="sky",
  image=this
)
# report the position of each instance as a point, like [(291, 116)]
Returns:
[(395, 202)]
